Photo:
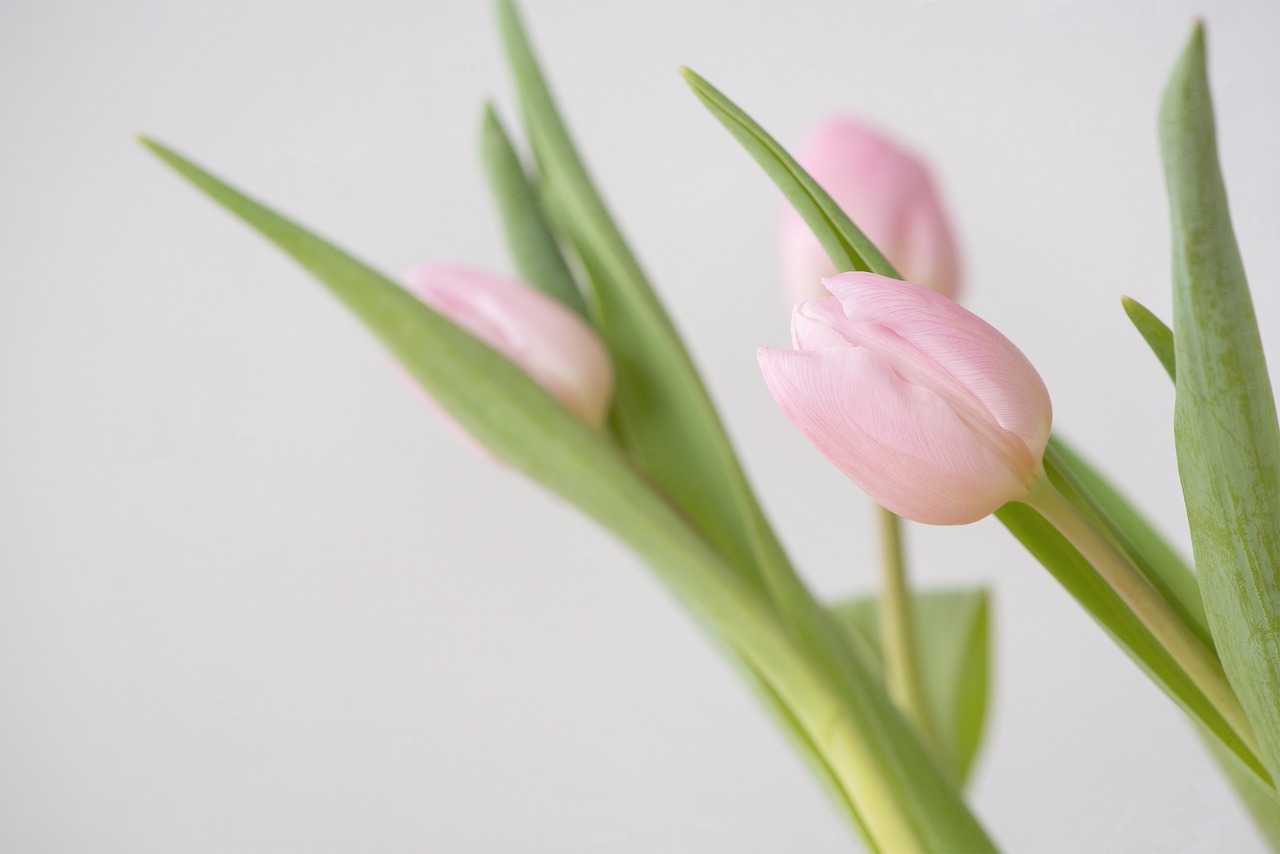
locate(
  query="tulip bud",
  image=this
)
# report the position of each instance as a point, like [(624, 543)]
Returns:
[(548, 341), (889, 193), (931, 411)]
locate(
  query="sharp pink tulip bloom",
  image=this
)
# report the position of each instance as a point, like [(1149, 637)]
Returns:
[(548, 341), (931, 411), (889, 193)]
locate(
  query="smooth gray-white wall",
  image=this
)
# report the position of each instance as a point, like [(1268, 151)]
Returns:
[(256, 597)]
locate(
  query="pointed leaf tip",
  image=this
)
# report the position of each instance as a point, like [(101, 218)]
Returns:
[(1154, 331), (1197, 35)]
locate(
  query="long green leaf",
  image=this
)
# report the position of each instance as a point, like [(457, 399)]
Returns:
[(533, 245), (1099, 500), (1078, 577), (955, 653), (663, 413), (845, 244), (902, 796), (1152, 329), (1225, 423)]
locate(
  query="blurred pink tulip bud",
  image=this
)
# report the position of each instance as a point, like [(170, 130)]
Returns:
[(931, 411), (889, 193), (548, 341)]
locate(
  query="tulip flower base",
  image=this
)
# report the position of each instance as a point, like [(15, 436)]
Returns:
[(573, 375)]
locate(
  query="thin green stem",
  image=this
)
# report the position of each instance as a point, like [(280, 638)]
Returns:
[(1155, 612), (898, 629)]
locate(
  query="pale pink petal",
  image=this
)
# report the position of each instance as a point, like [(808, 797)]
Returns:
[(934, 257), (804, 262), (816, 324), (900, 442), (551, 343), (957, 345)]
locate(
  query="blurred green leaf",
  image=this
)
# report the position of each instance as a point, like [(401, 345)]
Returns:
[(662, 411), (955, 654), (1225, 424), (850, 724), (533, 246), (804, 743), (1152, 329)]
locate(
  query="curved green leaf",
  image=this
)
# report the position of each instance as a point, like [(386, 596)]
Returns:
[(1225, 423), (844, 242), (955, 654), (662, 411)]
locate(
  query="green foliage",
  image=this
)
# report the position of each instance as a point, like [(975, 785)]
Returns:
[(1225, 424), (1152, 329), (1087, 587), (845, 244), (533, 245), (662, 412), (955, 651)]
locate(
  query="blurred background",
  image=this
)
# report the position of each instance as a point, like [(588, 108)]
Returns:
[(256, 597)]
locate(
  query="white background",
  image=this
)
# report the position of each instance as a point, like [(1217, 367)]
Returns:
[(257, 598)]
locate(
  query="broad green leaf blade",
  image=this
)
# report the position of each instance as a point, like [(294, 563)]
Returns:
[(1152, 329), (1087, 587), (662, 411), (955, 653), (533, 246), (845, 244), (903, 798), (1225, 424)]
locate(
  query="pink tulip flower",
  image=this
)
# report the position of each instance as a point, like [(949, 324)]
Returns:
[(931, 411), (548, 341), (889, 193)]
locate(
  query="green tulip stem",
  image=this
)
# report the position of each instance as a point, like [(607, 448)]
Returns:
[(898, 630), (1155, 612)]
